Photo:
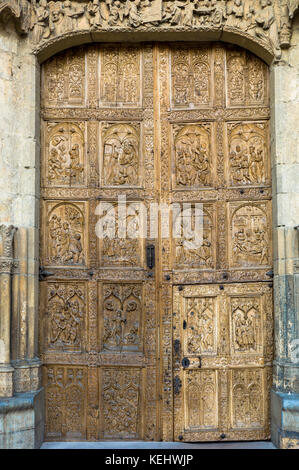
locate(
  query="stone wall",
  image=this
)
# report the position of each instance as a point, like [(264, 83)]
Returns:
[(285, 172), (19, 189)]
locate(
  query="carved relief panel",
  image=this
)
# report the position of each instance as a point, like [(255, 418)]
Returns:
[(193, 162), (193, 243), (64, 79), (65, 389), (247, 81), (121, 160), (250, 234), (120, 76), (120, 403), (65, 161), (66, 316), (65, 242), (191, 77), (248, 157), (121, 242), (122, 318)]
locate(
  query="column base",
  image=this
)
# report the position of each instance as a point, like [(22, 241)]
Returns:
[(6, 381), (22, 421), (285, 420)]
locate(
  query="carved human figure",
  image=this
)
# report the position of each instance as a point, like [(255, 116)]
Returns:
[(235, 13), (41, 27), (71, 14), (266, 26), (56, 18), (94, 14), (172, 13), (134, 16)]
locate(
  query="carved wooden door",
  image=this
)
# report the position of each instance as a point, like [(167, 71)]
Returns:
[(182, 348), (98, 308), (214, 147)]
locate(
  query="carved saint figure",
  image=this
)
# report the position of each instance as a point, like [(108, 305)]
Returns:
[(266, 26), (41, 27), (121, 156), (192, 158), (94, 14), (65, 233), (71, 14), (235, 13), (66, 311), (121, 317), (65, 161)]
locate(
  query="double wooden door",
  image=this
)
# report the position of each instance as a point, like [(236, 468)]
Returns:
[(152, 326)]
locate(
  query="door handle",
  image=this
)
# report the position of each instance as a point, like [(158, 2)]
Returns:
[(150, 256), (44, 274)]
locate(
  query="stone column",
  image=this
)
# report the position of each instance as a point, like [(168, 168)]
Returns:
[(6, 264), (285, 171)]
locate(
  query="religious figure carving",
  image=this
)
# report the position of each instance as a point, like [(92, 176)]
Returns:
[(193, 157), (246, 322), (122, 317), (66, 235), (189, 249), (121, 158), (66, 312), (201, 325), (65, 155), (250, 236)]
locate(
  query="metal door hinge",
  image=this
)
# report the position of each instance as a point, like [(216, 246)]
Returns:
[(150, 256), (44, 274)]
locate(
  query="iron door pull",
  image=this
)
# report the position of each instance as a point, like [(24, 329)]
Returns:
[(150, 256)]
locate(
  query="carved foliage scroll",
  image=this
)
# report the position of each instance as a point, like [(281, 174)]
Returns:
[(120, 395)]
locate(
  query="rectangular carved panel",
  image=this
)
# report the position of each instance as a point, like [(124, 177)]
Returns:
[(64, 79), (122, 306), (121, 163), (201, 400), (65, 160), (191, 77), (65, 233), (194, 156), (66, 316), (120, 228), (65, 389), (120, 403), (120, 76), (249, 234), (248, 159)]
